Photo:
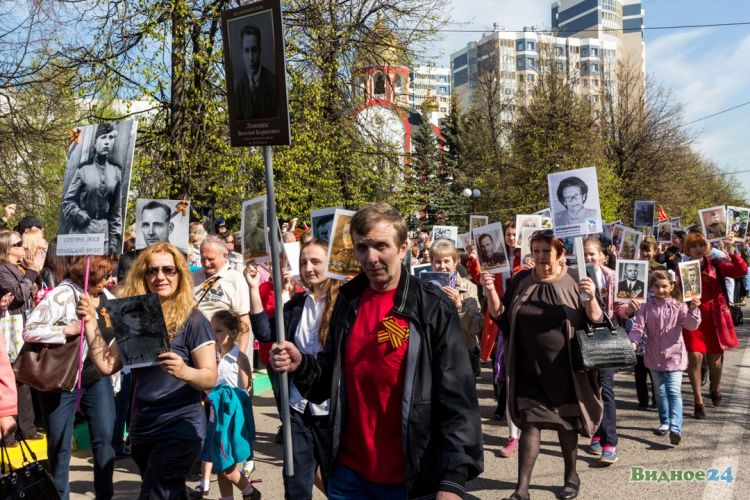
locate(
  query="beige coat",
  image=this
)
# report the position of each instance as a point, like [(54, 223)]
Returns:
[(470, 313), (587, 384)]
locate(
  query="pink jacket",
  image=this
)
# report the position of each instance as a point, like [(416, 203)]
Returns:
[(8, 396), (662, 322)]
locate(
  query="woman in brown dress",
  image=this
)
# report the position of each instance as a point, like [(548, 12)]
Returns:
[(540, 312)]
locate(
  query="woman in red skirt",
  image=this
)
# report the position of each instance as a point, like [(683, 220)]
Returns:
[(716, 332)]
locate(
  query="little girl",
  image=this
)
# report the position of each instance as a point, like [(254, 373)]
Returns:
[(230, 401), (663, 319)]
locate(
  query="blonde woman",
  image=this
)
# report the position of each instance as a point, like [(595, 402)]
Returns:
[(167, 423)]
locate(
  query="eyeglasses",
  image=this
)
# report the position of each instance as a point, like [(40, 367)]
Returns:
[(575, 197), (168, 271), (17, 244)]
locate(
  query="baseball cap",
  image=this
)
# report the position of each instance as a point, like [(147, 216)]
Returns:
[(27, 222)]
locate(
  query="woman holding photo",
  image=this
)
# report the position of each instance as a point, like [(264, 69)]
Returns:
[(716, 332), (167, 423), (540, 311)]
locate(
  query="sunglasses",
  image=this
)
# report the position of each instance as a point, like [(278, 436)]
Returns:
[(543, 233), (17, 244), (168, 271)]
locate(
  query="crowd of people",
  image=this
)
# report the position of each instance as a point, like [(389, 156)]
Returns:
[(381, 368)]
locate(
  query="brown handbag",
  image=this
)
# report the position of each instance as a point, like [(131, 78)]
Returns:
[(48, 367)]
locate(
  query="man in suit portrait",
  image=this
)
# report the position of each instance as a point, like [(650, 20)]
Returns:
[(488, 256), (630, 287), (715, 228), (256, 91), (691, 287)]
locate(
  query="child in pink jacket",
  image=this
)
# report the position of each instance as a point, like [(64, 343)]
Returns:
[(662, 319)]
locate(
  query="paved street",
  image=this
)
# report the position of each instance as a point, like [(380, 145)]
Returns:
[(718, 442)]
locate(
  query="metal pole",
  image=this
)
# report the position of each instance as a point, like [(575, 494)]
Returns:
[(279, 317)]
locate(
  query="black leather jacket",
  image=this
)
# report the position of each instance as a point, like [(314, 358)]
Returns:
[(440, 418)]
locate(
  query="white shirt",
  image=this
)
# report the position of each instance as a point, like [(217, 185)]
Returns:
[(228, 293), (306, 340), (229, 368)]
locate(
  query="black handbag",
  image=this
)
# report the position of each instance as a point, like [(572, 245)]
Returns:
[(602, 346), (30, 481)]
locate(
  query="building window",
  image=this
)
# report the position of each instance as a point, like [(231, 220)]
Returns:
[(399, 84), (520, 45), (530, 78), (594, 52), (379, 84), (529, 45), (584, 52), (443, 110)]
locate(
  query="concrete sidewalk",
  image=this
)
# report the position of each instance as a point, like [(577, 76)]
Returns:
[(719, 442)]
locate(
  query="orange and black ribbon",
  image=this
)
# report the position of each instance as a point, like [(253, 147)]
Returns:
[(393, 332)]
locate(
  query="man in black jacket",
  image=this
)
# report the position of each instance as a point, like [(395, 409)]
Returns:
[(404, 415)]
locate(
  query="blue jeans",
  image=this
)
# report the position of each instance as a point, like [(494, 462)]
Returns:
[(607, 430), (346, 484), (668, 387), (59, 408), (122, 410)]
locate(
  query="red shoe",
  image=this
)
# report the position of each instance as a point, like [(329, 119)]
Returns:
[(511, 445)]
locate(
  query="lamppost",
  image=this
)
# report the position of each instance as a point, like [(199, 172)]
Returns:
[(472, 194)]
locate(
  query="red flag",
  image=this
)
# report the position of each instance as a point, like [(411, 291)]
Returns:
[(663, 217)]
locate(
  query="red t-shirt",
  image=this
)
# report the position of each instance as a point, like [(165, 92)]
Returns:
[(374, 376)]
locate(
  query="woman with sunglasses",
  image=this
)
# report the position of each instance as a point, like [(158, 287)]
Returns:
[(54, 321), (167, 422), (540, 311)]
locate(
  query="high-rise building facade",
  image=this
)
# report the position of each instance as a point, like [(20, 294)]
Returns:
[(432, 80), (588, 40)]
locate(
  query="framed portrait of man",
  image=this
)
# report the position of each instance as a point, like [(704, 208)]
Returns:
[(490, 243), (449, 233), (322, 223), (254, 231), (643, 213), (162, 221), (574, 201), (342, 262), (664, 232), (630, 242), (737, 220), (675, 222), (632, 280), (690, 278), (714, 223), (95, 189), (256, 74)]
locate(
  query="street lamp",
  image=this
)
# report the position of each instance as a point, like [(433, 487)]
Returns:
[(472, 194)]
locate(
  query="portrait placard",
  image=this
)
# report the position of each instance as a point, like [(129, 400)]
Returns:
[(675, 223), (292, 251), (464, 240), (449, 233), (255, 70), (630, 242), (341, 262), (490, 243), (322, 223), (421, 268), (525, 240), (632, 277), (643, 213), (690, 277), (737, 219), (664, 232), (714, 223), (162, 221), (95, 189), (546, 214), (529, 221), (138, 326), (574, 201), (254, 231), (438, 279), (477, 221)]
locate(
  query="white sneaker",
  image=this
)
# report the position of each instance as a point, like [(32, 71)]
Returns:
[(248, 468), (662, 430)]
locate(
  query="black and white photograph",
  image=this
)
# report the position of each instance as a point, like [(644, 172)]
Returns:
[(255, 74), (528, 221), (690, 277), (630, 242), (675, 223), (632, 279), (162, 221), (95, 189), (449, 233), (291, 252), (490, 243), (664, 232), (421, 268), (574, 201), (322, 223), (524, 238), (714, 223), (254, 231), (477, 221), (436, 278), (342, 263), (464, 240), (737, 219), (643, 213), (139, 328), (617, 230)]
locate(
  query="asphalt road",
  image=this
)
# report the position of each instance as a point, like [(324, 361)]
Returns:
[(709, 447)]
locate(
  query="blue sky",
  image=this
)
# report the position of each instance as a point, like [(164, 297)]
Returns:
[(707, 69)]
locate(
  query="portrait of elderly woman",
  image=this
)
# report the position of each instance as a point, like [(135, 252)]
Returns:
[(95, 182), (572, 192)]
